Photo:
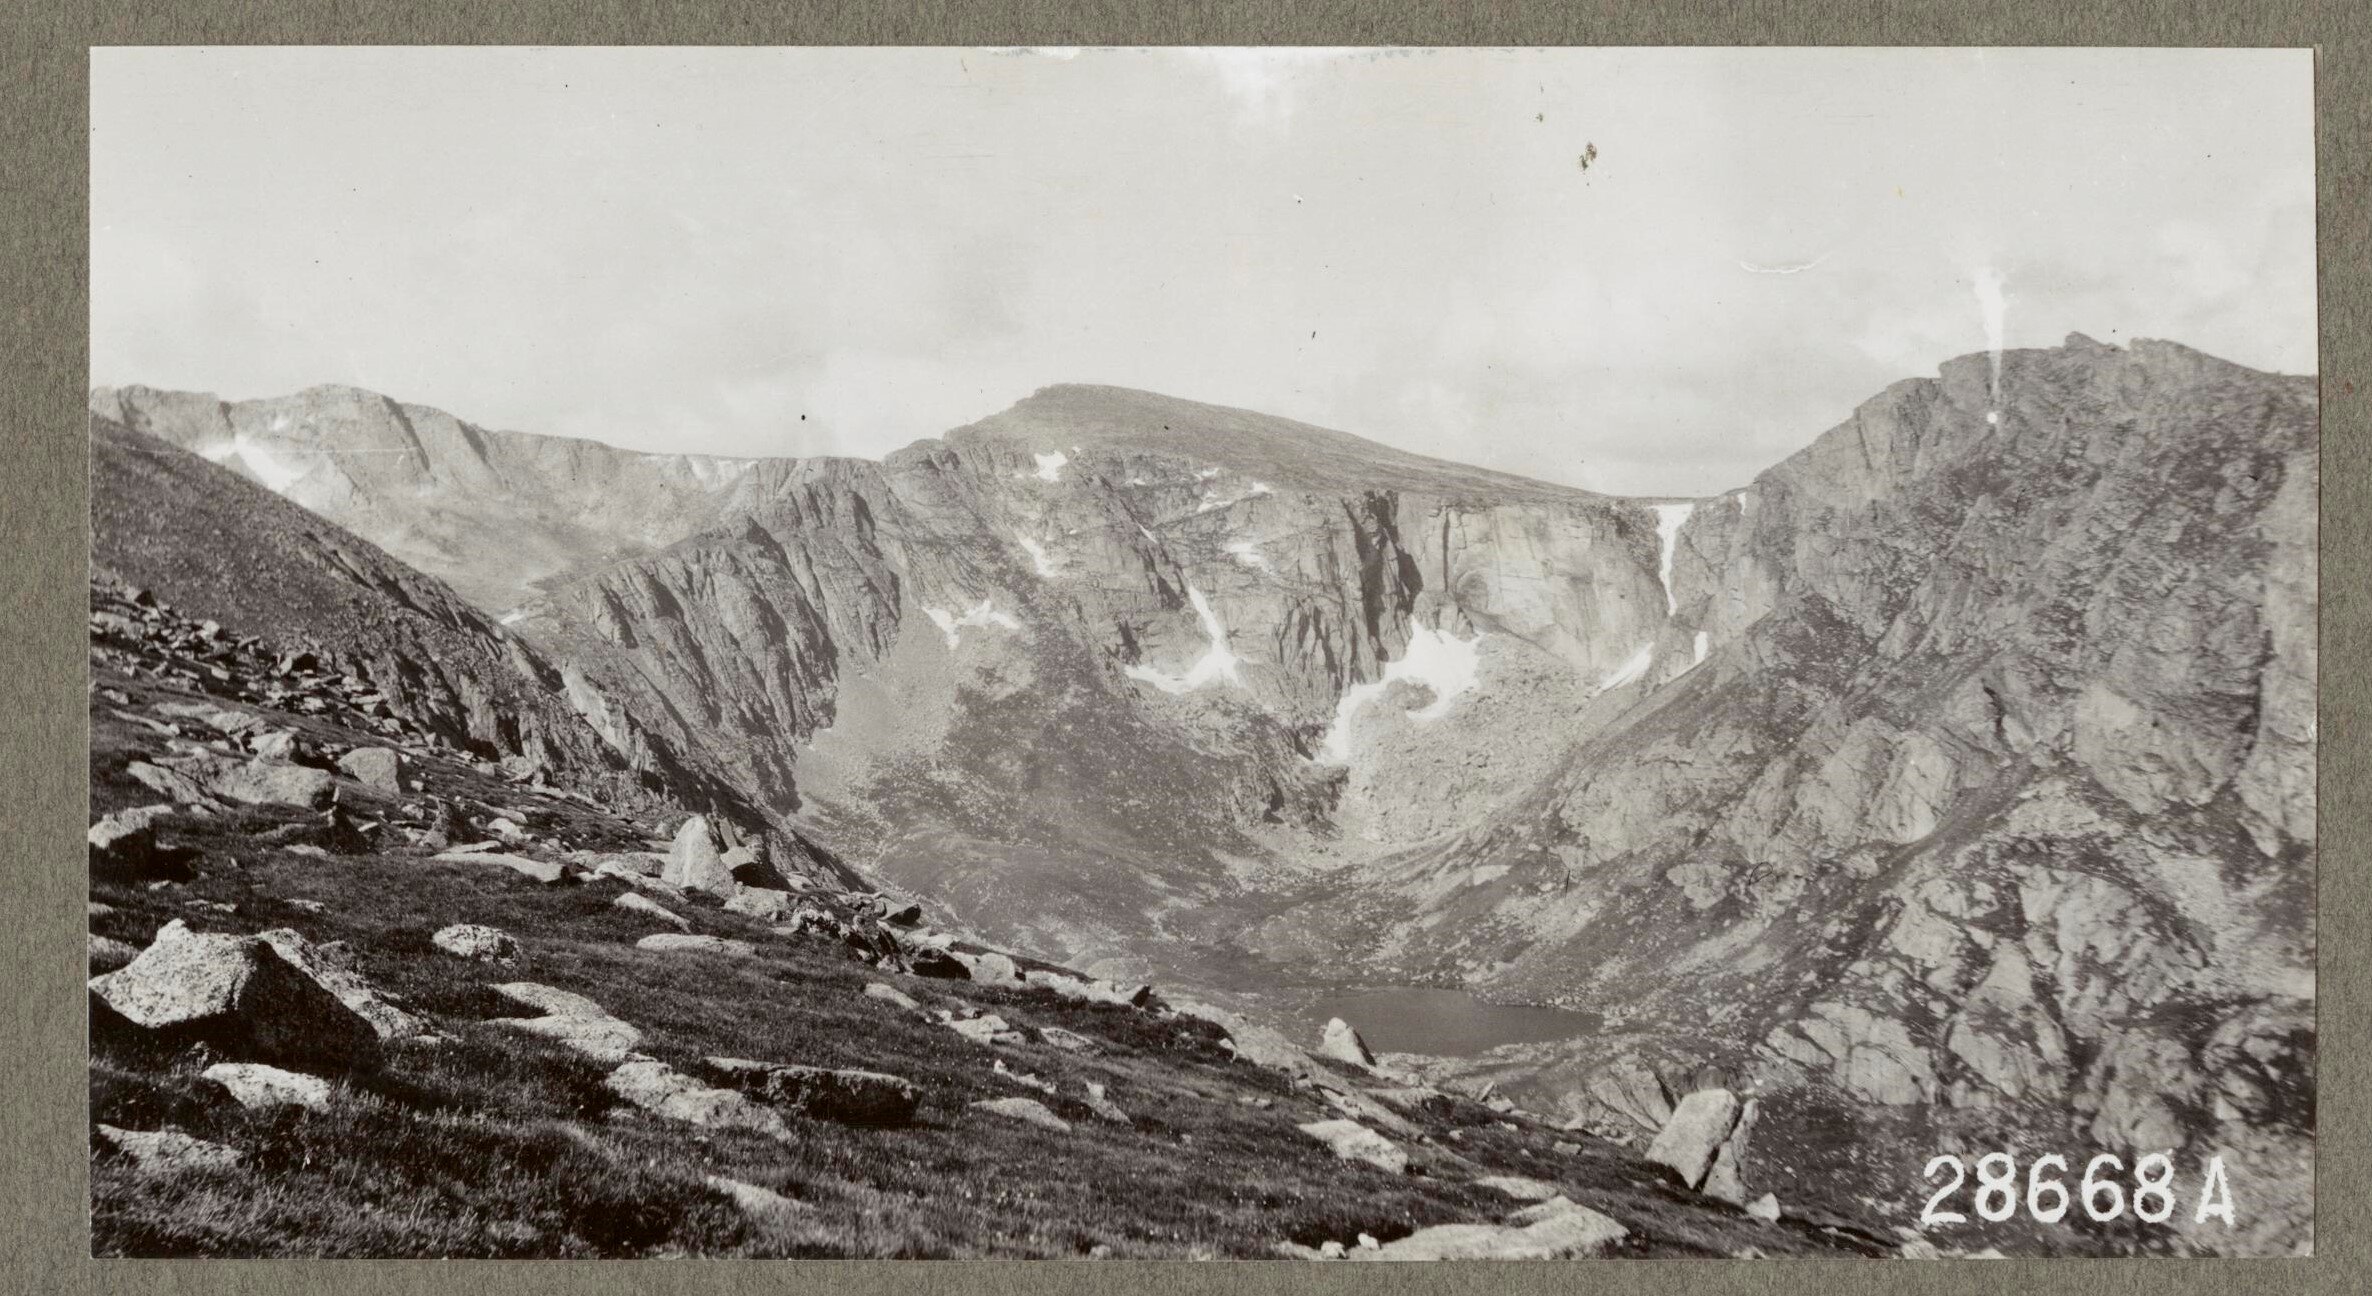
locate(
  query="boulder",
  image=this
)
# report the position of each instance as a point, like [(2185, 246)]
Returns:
[(903, 916), (980, 1030), (1726, 1181), (1691, 1139), (275, 745), (1342, 1043), (1765, 1208), (571, 1019), (238, 995), (1067, 1041), (992, 968), (1081, 991), (544, 871), (939, 965), (847, 1096), (479, 944), (761, 903), (263, 782), (169, 782), (1352, 1141), (1556, 1230), (257, 1087), (1632, 1091), (379, 768), (757, 1202), (165, 1151), (123, 847), (1103, 1107), (1024, 1109), (693, 862), (662, 1090), (635, 903), (331, 966), (890, 994), (669, 942)]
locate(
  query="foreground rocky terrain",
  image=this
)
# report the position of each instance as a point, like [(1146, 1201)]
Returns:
[(1950, 785), (356, 992)]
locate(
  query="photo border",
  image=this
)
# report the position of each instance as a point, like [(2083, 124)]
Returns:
[(44, 119)]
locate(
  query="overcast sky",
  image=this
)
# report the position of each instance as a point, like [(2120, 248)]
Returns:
[(692, 249)]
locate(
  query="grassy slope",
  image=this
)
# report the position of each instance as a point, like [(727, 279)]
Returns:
[(496, 1143)]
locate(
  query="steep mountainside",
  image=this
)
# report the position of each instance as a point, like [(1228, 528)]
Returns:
[(227, 550), (490, 513), (1957, 773)]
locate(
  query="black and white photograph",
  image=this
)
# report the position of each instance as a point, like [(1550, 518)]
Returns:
[(1283, 654)]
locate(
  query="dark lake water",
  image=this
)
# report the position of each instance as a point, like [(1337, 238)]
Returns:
[(1449, 1023)]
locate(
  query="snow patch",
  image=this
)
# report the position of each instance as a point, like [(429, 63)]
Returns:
[(1206, 473), (1669, 518), (514, 616), (1248, 553), (1435, 658), (1147, 534), (1217, 664), (1038, 556), (1704, 645), (268, 468), (1630, 670), (1050, 465), (983, 613)]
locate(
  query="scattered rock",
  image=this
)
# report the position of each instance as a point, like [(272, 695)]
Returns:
[(166, 1151), (903, 916), (544, 871), (571, 1019), (1024, 1109), (633, 902), (679, 941), (761, 904), (848, 1096), (479, 943), (1066, 1040), (378, 768), (276, 745), (891, 994), (662, 1090), (239, 995), (1353, 1141), (1343, 1044), (1518, 1187), (257, 1086), (1332, 1250)]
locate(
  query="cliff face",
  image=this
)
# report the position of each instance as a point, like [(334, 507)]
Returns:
[(1962, 763)]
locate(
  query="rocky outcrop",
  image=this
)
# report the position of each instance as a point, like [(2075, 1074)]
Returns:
[(1352, 1141)]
